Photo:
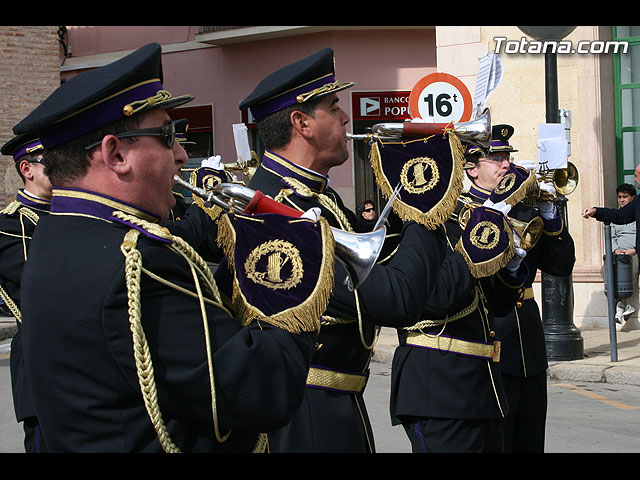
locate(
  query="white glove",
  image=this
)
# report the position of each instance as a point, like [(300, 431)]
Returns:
[(312, 214), (502, 207), (516, 240), (515, 262), (528, 164), (548, 210), (213, 162), (548, 187)]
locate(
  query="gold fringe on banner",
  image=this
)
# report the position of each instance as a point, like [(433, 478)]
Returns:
[(443, 209), (522, 191), (492, 266), (305, 317)]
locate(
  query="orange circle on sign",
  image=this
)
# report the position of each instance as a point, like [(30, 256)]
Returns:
[(424, 82)]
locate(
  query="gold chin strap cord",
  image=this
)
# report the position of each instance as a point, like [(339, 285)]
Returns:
[(146, 378)]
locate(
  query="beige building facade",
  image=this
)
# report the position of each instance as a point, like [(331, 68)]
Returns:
[(585, 88)]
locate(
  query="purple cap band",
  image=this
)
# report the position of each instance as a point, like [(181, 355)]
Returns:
[(286, 99), (24, 149), (499, 143), (97, 116)]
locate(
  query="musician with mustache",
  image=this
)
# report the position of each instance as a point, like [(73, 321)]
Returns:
[(128, 345), (524, 357), (303, 129)]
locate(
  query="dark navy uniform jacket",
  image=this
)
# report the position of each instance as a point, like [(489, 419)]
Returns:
[(332, 421), (191, 223), (521, 330), (79, 346), (430, 381), (17, 224), (621, 216)]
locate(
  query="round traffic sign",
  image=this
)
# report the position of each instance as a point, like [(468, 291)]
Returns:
[(440, 98)]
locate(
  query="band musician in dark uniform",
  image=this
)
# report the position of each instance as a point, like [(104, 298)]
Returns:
[(128, 346), (446, 386), (304, 132), (524, 358), (18, 221)]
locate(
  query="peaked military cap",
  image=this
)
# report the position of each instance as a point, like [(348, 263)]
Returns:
[(309, 78), (96, 98), (500, 135), (22, 145)]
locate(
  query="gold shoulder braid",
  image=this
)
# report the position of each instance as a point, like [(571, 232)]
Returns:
[(30, 214), (24, 211), (11, 304), (133, 274), (13, 207), (324, 200)]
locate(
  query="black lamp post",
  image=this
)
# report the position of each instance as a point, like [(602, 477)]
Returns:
[(563, 339)]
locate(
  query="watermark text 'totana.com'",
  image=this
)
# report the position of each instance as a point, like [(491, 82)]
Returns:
[(559, 46)]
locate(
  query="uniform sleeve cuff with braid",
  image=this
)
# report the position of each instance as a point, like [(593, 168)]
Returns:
[(553, 226)]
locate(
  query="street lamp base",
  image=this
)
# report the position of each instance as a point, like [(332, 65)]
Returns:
[(564, 343)]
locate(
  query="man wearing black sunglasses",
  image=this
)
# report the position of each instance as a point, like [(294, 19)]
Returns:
[(166, 132), (124, 322)]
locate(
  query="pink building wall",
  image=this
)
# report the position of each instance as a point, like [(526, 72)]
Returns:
[(377, 60)]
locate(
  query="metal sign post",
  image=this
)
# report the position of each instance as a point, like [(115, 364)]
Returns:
[(611, 292)]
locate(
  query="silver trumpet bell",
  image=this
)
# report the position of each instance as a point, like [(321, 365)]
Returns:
[(358, 252), (476, 132)]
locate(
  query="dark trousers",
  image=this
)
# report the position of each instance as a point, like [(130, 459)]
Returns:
[(444, 435), (524, 426), (33, 439)]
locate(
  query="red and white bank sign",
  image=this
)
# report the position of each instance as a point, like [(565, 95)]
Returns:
[(380, 105), (440, 98)]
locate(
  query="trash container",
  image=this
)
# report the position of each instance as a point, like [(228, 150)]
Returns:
[(623, 276)]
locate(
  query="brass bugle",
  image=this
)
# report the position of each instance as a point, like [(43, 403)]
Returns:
[(529, 233), (477, 131), (564, 180), (247, 167), (243, 166), (358, 252)]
